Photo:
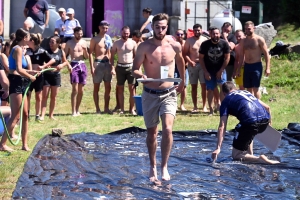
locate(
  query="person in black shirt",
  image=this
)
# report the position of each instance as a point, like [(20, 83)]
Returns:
[(52, 79), (40, 59), (213, 58), (231, 39)]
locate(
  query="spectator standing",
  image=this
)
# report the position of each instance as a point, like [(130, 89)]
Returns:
[(36, 13)]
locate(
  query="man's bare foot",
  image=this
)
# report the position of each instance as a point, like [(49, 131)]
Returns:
[(5, 148), (182, 108), (133, 112), (52, 118), (205, 109), (264, 159), (107, 112), (153, 174), (98, 111), (25, 148), (165, 176)]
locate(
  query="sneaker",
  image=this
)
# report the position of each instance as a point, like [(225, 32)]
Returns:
[(38, 119)]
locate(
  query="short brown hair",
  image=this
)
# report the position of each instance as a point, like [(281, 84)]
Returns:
[(159, 17), (228, 86), (249, 23), (239, 30)]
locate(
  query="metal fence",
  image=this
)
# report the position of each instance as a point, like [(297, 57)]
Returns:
[(198, 12)]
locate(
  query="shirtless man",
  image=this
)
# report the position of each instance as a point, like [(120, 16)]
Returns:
[(159, 98), (77, 49), (180, 38), (252, 47), (191, 55), (100, 67), (125, 49), (239, 34), (137, 37)]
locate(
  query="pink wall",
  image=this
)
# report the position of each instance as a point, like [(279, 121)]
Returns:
[(1, 9), (114, 14)]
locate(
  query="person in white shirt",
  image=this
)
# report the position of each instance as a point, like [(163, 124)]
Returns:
[(70, 24), (147, 25), (60, 23)]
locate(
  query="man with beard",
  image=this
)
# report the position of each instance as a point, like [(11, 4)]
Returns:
[(238, 75), (159, 98), (213, 58), (77, 49), (180, 38), (230, 38), (191, 55), (125, 49), (101, 70), (251, 48)]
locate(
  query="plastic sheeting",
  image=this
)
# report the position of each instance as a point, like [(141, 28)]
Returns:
[(115, 166)]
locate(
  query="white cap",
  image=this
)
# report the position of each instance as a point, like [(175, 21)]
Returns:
[(61, 10), (70, 11)]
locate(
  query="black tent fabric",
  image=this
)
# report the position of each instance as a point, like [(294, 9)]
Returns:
[(115, 166)]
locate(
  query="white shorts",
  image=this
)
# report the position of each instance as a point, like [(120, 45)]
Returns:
[(35, 28)]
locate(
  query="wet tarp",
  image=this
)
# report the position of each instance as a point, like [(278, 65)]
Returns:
[(115, 166)]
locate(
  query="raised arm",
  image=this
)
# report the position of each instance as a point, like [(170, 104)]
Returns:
[(220, 136), (18, 54)]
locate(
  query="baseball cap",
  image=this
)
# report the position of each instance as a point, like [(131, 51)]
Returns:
[(70, 11), (104, 23), (61, 10)]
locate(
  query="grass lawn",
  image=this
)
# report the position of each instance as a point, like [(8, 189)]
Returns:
[(283, 96)]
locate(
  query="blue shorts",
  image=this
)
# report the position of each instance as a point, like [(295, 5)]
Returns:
[(177, 75), (212, 83), (252, 75)]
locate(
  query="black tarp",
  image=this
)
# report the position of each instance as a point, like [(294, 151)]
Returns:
[(115, 166)]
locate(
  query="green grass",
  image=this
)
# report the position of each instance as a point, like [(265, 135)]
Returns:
[(288, 33), (282, 86)]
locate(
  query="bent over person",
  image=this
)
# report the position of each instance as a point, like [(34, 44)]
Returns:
[(254, 116), (159, 98)]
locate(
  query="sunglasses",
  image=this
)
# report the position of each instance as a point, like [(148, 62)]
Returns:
[(180, 34)]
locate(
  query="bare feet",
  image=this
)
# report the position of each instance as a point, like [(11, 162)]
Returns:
[(52, 118), (153, 174), (98, 111), (264, 159), (25, 148), (5, 148), (165, 176), (182, 108)]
